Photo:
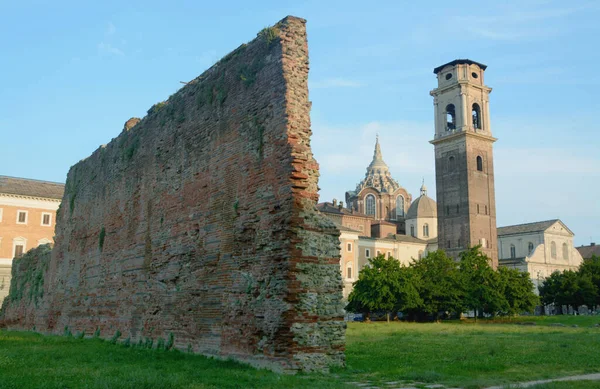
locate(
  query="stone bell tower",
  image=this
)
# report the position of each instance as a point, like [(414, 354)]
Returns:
[(464, 163)]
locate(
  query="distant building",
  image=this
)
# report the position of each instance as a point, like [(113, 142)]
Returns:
[(380, 196), (375, 220), (27, 219), (539, 248), (588, 252)]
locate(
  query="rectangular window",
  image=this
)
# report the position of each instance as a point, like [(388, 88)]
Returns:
[(448, 244), (349, 247), (457, 209), (482, 243), (0, 214), (477, 208), (22, 217), (447, 210), (367, 253), (378, 253), (46, 219), (389, 253), (19, 250)]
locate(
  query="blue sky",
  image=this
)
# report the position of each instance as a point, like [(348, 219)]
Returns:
[(72, 72)]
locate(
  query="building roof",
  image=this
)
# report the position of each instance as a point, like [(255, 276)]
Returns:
[(423, 206), (348, 229), (458, 62), (32, 188), (588, 251), (337, 210), (529, 227), (401, 238)]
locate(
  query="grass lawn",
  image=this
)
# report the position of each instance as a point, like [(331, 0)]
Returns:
[(569, 385), (459, 354)]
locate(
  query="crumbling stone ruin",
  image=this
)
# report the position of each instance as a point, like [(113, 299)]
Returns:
[(197, 224)]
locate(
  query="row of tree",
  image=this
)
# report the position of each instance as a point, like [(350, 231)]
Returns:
[(573, 288), (437, 286)]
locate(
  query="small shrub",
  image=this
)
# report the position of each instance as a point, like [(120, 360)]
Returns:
[(170, 341), (97, 332), (156, 107), (269, 34), (67, 331), (190, 349), (81, 335), (115, 337), (160, 344), (149, 343), (127, 342)]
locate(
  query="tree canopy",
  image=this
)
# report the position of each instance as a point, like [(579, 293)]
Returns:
[(436, 286)]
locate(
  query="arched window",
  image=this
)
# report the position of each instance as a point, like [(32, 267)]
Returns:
[(426, 230), (476, 113), (370, 205), (450, 117), (530, 248), (479, 163), (400, 206), (553, 250), (412, 230), (513, 251), (565, 251)]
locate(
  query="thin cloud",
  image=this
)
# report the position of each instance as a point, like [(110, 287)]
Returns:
[(107, 48), (518, 24), (111, 29), (335, 83)]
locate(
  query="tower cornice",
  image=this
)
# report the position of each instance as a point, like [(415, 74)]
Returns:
[(459, 134), (437, 91)]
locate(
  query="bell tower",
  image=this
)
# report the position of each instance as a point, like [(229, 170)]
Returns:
[(464, 163)]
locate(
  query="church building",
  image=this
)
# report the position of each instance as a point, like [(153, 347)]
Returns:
[(381, 218)]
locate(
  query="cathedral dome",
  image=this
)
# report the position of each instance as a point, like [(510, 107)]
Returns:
[(378, 175), (423, 206)]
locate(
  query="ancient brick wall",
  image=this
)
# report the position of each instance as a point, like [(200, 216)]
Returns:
[(199, 221), (27, 288)]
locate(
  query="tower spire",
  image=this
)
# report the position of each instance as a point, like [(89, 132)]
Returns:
[(377, 156)]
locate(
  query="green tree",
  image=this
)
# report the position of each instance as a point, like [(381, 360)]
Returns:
[(550, 289), (591, 268), (569, 288), (518, 291), (378, 287), (440, 286), (482, 285)]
